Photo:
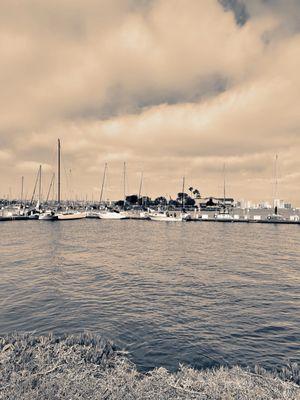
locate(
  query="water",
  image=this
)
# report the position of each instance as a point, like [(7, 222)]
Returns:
[(202, 294)]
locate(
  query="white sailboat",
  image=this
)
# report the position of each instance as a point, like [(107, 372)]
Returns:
[(48, 215), (169, 216), (71, 214), (112, 214), (224, 214), (275, 217), (68, 214)]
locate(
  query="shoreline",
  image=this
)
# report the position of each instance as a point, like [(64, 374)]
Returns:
[(87, 366)]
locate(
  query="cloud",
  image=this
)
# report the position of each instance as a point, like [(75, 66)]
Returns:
[(32, 166), (170, 87)]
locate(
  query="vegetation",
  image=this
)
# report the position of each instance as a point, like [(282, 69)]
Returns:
[(88, 367)]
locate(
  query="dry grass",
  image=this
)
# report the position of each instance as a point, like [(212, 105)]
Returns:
[(88, 367)]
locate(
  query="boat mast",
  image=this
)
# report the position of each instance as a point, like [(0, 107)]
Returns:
[(50, 186), (124, 182), (22, 189), (40, 184), (276, 185), (141, 184), (103, 182), (183, 184), (35, 185), (58, 172), (224, 184)]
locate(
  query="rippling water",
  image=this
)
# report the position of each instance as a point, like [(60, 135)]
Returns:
[(196, 293)]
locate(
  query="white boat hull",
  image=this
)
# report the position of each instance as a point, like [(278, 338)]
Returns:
[(71, 216), (169, 217), (48, 217), (112, 215)]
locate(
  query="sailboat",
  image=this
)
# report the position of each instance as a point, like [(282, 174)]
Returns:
[(168, 216), (112, 213), (172, 216), (224, 214), (275, 217), (35, 212), (48, 215), (67, 214)]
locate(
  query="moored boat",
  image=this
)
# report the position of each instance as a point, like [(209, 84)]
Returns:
[(48, 215), (169, 216), (70, 215), (112, 214)]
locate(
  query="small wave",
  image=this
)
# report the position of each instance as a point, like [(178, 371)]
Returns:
[(87, 366)]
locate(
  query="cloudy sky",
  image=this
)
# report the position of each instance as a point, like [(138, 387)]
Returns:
[(172, 87)]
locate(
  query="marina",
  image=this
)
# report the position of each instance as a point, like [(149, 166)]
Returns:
[(184, 209)]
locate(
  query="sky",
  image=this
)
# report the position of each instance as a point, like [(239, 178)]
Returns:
[(171, 87)]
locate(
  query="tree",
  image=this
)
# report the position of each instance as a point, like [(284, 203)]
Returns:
[(162, 201), (145, 201), (181, 196), (189, 201), (196, 194), (119, 203), (174, 203), (132, 199)]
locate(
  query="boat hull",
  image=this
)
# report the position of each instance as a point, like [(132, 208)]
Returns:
[(169, 218), (112, 215), (48, 217), (70, 216)]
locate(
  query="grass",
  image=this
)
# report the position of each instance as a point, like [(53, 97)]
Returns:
[(89, 367)]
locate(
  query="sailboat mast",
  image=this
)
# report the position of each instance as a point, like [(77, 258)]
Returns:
[(124, 182), (276, 184), (35, 185), (103, 182), (141, 185), (22, 189), (50, 186), (40, 184), (183, 184), (58, 172), (276, 177), (224, 184)]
